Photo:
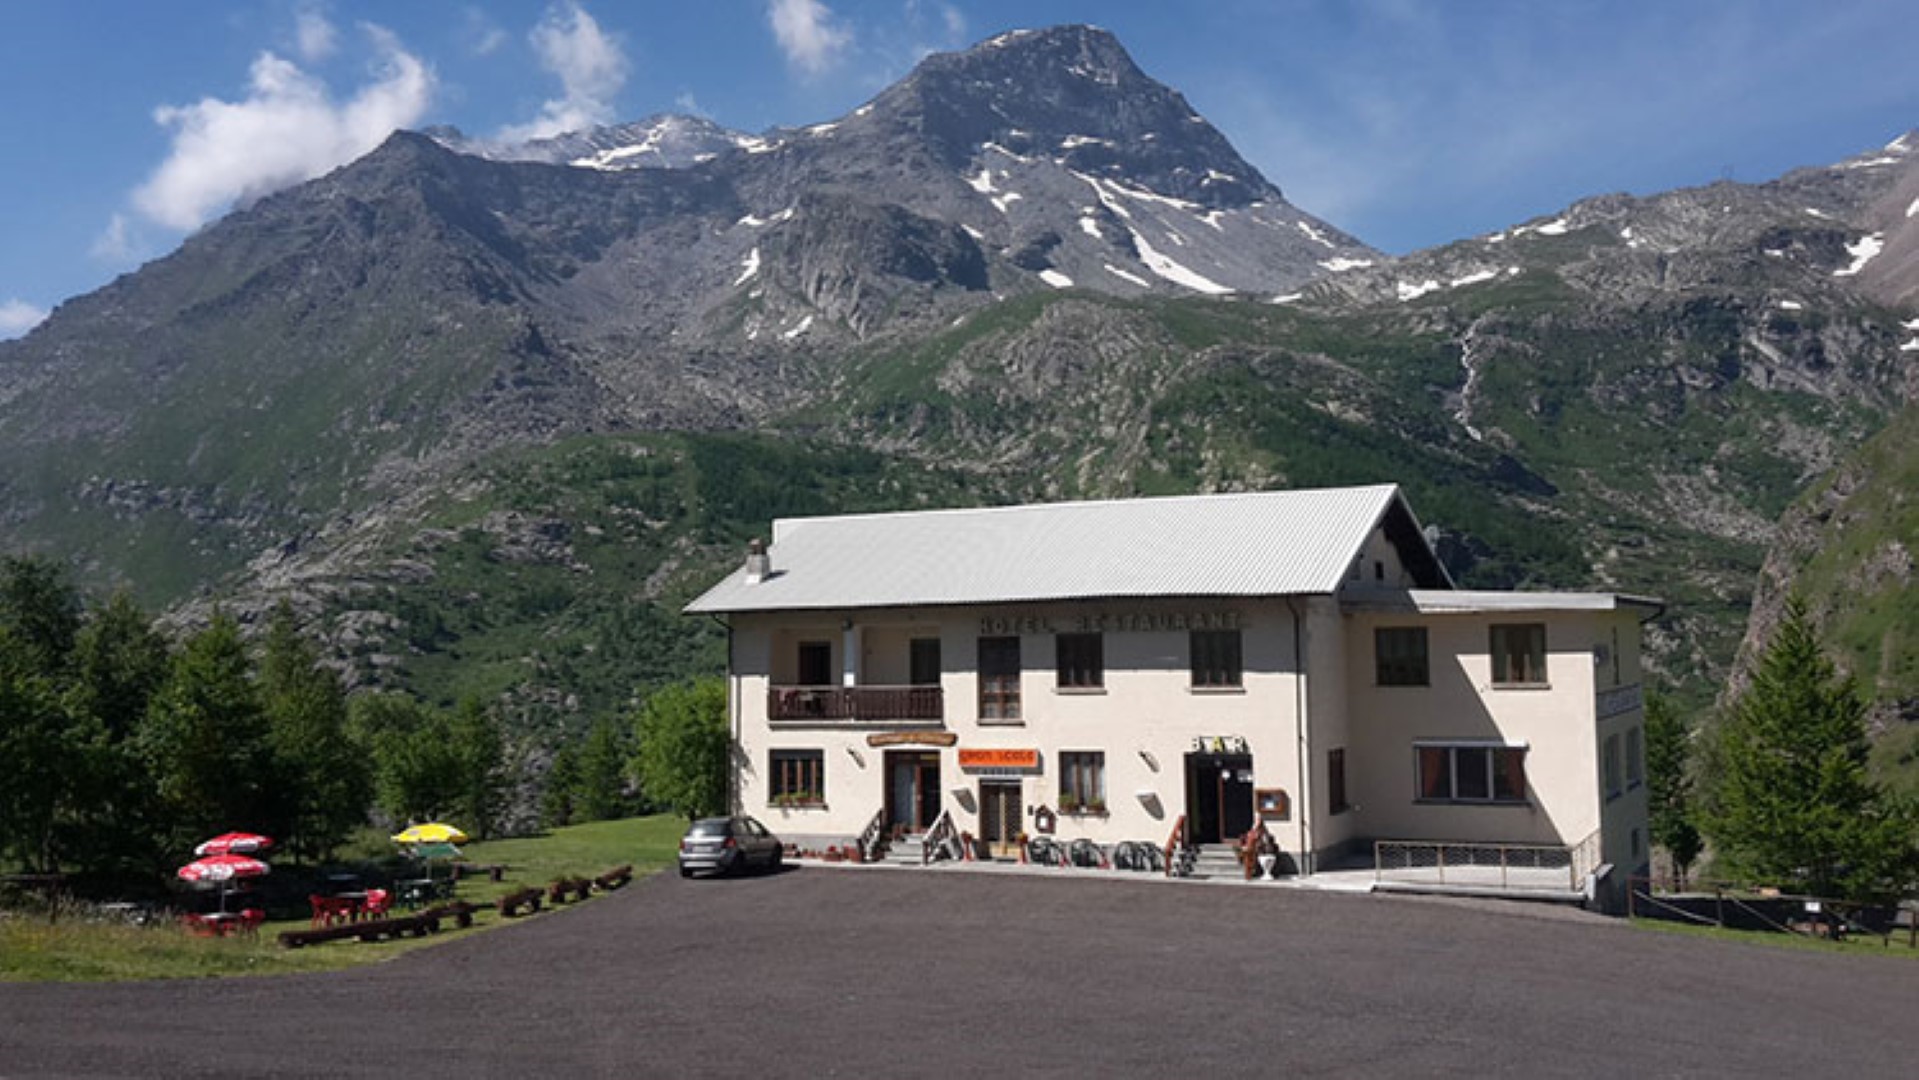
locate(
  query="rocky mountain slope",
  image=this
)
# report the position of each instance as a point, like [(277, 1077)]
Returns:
[(486, 420), (1846, 547)]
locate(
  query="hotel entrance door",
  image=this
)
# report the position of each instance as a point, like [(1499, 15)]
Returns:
[(1000, 814), (912, 789), (1219, 797)]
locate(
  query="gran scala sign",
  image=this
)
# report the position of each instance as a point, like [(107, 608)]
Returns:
[(1123, 622)]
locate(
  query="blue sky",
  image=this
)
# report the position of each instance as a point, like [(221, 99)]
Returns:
[(126, 124)]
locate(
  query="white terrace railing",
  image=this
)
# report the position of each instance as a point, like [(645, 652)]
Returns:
[(1468, 864)]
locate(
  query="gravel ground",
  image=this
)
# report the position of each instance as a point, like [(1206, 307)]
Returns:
[(931, 973)]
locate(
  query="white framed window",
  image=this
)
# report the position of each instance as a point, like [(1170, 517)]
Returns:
[(1518, 654), (1470, 772), (1082, 781), (796, 777), (1399, 656)]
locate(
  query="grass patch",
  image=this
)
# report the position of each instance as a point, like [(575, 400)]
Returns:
[(1856, 945), (82, 947)]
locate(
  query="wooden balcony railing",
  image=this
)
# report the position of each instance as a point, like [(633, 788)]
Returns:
[(855, 703)]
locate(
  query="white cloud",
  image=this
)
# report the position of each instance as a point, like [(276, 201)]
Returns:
[(115, 243), (287, 129), (315, 36), (482, 36), (591, 66), (807, 33), (17, 317), (690, 105)]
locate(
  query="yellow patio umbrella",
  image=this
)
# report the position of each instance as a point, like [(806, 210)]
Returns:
[(433, 832)]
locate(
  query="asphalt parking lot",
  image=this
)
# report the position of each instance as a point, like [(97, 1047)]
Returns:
[(819, 971)]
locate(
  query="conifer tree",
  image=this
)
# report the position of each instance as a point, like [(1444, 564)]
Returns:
[(1670, 785), (204, 738), (1791, 801), (324, 783), (602, 774)]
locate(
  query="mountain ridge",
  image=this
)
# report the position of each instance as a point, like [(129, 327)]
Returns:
[(1006, 293)]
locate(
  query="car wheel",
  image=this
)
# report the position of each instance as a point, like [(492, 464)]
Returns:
[(773, 864), (686, 871)]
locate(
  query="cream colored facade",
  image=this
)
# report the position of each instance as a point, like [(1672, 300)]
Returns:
[(833, 726)]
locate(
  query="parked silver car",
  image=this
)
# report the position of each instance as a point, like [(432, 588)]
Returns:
[(727, 844)]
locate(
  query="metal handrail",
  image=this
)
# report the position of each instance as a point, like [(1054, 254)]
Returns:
[(869, 839), (1469, 860), (1175, 845), (942, 833), (1585, 858)]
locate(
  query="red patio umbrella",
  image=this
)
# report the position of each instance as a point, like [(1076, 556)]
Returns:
[(235, 843), (222, 869)]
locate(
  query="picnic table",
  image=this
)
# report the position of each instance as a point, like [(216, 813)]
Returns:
[(223, 923), (416, 892)]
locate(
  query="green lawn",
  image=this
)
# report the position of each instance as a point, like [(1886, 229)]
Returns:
[(1855, 945), (79, 949)]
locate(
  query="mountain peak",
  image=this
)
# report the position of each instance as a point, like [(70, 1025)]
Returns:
[(1072, 92)]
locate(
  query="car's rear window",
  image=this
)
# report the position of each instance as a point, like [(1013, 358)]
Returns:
[(709, 827)]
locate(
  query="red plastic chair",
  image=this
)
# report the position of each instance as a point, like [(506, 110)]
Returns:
[(378, 903), (250, 921)]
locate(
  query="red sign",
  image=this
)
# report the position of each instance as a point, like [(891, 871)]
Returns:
[(999, 759)]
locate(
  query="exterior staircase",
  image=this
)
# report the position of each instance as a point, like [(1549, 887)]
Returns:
[(908, 850), (1217, 861)]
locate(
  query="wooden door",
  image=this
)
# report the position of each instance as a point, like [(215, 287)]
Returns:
[(1001, 817)]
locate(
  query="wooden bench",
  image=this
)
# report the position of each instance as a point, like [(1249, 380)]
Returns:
[(493, 871), (614, 878), (459, 911), (420, 925), (559, 889), (511, 904), (1906, 919)]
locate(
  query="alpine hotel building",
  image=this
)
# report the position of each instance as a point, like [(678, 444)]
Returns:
[(1114, 670)]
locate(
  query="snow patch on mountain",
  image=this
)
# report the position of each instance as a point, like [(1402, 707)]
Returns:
[(1315, 235), (1342, 264), (1412, 291), (1125, 276), (1862, 253), (1056, 279), (1173, 271), (749, 266), (1555, 227)]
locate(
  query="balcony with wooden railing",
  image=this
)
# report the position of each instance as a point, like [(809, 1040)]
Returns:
[(855, 704)]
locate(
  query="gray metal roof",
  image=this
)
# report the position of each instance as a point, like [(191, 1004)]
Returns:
[(1272, 543), (1471, 602)]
